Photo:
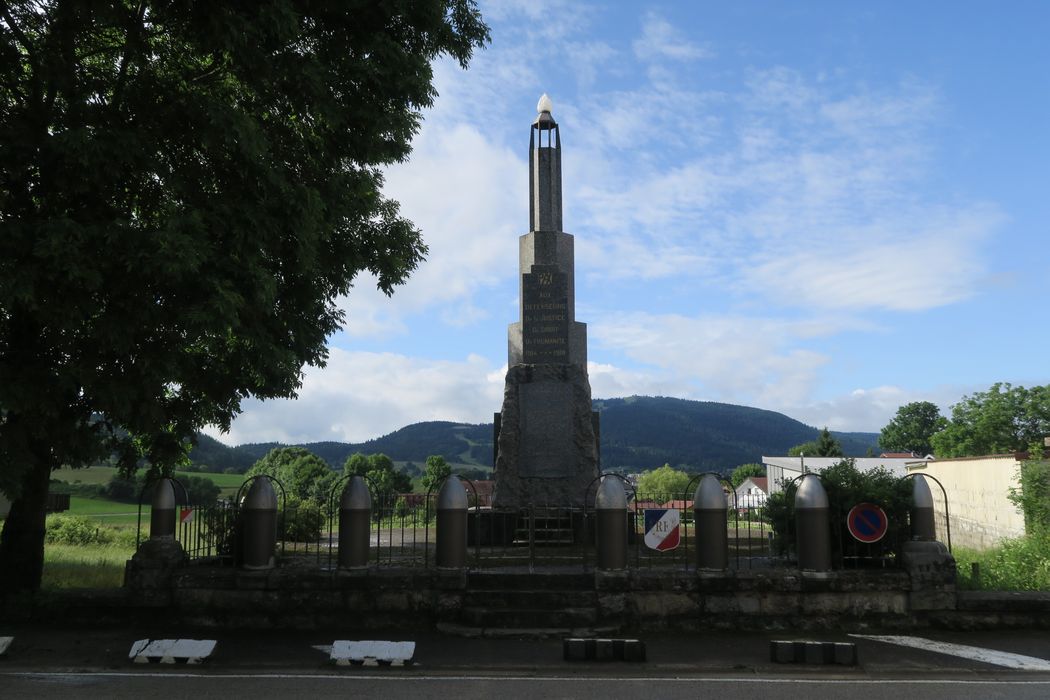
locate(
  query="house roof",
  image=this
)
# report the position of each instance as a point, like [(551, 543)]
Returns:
[(761, 482), (899, 455)]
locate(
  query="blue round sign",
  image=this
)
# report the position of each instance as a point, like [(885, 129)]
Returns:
[(867, 522)]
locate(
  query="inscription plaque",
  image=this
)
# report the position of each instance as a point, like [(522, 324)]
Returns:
[(545, 316), (546, 430)]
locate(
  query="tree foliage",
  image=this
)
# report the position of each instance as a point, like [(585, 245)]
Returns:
[(1005, 418), (304, 475), (846, 487), (744, 471), (384, 480), (437, 471), (912, 428), (186, 190), (1033, 496), (663, 482), (824, 446)]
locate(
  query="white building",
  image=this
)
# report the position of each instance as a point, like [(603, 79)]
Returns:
[(780, 470), (752, 492)]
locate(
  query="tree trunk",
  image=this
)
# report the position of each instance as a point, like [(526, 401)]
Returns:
[(22, 540)]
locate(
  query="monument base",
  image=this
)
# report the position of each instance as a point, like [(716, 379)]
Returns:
[(547, 446)]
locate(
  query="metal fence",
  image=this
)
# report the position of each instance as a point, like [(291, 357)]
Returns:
[(403, 533)]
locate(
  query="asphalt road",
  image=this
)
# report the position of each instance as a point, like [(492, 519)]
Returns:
[(93, 663)]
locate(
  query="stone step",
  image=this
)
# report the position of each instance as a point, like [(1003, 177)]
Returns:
[(509, 581), (505, 618), (541, 600), (472, 632)]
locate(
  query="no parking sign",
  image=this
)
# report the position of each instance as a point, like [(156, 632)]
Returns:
[(867, 522)]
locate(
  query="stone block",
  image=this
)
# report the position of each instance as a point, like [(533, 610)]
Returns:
[(777, 604), (814, 652), (782, 652), (824, 603), (574, 649), (664, 605), (845, 653)]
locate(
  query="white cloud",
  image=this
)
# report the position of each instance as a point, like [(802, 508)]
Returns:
[(661, 40), (737, 359), (362, 395), (868, 410), (468, 196)]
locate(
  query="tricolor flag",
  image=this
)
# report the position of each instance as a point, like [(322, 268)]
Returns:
[(661, 528)]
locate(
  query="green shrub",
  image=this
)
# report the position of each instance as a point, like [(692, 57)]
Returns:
[(62, 528), (301, 521), (1022, 564), (846, 487)]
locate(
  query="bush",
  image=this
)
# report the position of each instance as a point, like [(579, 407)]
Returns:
[(846, 486), (302, 521), (62, 528)]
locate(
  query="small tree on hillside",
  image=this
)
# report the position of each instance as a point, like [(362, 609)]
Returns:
[(824, 446)]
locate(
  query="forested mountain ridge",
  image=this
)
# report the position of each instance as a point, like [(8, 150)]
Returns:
[(637, 433)]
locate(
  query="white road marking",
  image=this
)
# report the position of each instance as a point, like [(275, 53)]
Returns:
[(989, 656), (540, 679)]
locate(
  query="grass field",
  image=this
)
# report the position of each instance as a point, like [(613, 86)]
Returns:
[(108, 512), (229, 483), (84, 566)]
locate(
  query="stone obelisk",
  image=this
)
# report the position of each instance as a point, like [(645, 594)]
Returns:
[(546, 435)]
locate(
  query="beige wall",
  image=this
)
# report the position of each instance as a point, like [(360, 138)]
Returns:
[(978, 489)]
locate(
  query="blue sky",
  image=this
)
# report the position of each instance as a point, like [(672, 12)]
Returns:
[(826, 209)]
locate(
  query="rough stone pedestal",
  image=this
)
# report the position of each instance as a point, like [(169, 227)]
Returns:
[(152, 566), (547, 452), (932, 571)]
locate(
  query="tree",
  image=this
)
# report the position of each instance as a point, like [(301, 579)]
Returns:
[(912, 428), (824, 446), (297, 469), (744, 471), (384, 480), (437, 471), (1003, 419), (663, 482), (1033, 496), (186, 190)]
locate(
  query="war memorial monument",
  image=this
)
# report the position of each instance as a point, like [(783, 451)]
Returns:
[(472, 568), (546, 436)]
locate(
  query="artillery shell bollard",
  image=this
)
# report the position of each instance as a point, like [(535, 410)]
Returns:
[(923, 528), (610, 506), (259, 523), (452, 524), (712, 534), (162, 511), (355, 514), (811, 518)]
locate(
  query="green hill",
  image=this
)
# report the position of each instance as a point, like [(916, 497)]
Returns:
[(638, 432)]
